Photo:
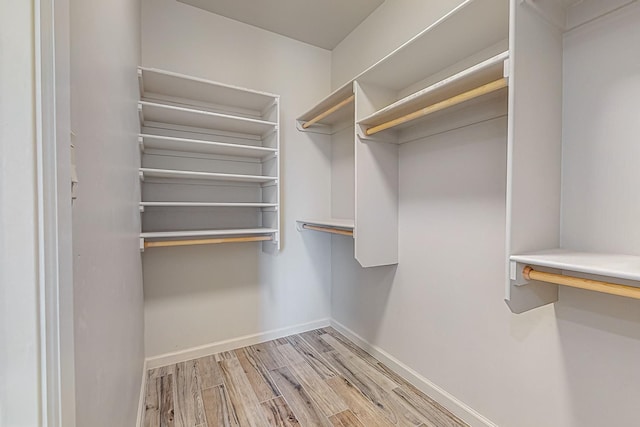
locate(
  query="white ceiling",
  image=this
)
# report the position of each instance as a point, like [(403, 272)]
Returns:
[(322, 23)]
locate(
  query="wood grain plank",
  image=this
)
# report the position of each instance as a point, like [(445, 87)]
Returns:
[(257, 374), (345, 419), (328, 402), (303, 406), (152, 403), (433, 413), (316, 361), (225, 355), (366, 412), (280, 341), (241, 395), (352, 346), (209, 373), (162, 371), (278, 413), (313, 339), (188, 406), (290, 354), (379, 376), (269, 355), (389, 403), (217, 407), (166, 410)]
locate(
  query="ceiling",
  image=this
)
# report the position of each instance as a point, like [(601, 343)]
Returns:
[(322, 23)]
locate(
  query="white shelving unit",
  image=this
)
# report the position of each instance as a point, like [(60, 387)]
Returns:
[(209, 162), (461, 51), (567, 206)]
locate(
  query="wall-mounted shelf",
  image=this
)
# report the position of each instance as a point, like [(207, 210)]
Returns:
[(152, 113), (211, 176), (169, 143), (199, 237), (342, 227), (472, 84), (330, 113), (209, 162)]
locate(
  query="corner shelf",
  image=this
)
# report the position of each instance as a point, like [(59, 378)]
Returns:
[(341, 100)]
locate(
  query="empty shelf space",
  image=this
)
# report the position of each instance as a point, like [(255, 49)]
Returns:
[(334, 226), (202, 146), (474, 82), (155, 82), (335, 108), (471, 27), (610, 265), (207, 204), (181, 174), (156, 114)]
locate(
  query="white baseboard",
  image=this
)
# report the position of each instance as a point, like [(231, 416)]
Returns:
[(458, 408), (232, 344), (143, 392)]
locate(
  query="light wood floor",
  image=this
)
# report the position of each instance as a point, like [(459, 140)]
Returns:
[(317, 378)]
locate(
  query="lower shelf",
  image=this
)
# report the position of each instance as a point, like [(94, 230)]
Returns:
[(343, 227), (205, 237)]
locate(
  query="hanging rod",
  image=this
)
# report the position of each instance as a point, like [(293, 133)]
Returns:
[(331, 230), (328, 112), (168, 243), (450, 102), (576, 282)]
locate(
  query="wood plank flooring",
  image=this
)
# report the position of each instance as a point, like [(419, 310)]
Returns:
[(318, 378)]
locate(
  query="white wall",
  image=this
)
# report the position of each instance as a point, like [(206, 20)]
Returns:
[(440, 311), (19, 332), (105, 50), (386, 29), (201, 295)]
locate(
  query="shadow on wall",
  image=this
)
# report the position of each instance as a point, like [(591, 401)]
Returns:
[(189, 270), (359, 296), (600, 339)]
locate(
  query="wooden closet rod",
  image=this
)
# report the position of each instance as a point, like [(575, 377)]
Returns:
[(329, 111), (328, 230), (576, 282), (167, 243), (450, 102)]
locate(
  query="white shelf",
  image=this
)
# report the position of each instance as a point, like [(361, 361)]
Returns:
[(480, 74), (207, 205), (206, 147), (155, 82), (180, 174), (206, 233), (154, 114), (347, 224), (610, 265), (470, 28), (342, 115)]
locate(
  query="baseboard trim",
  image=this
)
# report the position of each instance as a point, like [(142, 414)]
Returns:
[(457, 407), (143, 392), (232, 344)]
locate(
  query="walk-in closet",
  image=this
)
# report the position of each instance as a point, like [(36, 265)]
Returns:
[(320, 213)]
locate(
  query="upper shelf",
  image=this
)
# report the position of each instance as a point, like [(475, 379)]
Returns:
[(470, 28), (610, 265), (441, 95), (342, 98), (182, 174), (159, 84), (154, 114), (205, 147)]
